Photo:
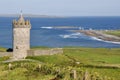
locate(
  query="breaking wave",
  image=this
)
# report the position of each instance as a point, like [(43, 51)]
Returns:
[(59, 27), (47, 27), (104, 40), (73, 35)]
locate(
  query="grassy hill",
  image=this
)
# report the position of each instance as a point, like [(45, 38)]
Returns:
[(95, 63)]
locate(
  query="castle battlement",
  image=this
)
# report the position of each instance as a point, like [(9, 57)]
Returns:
[(23, 24)]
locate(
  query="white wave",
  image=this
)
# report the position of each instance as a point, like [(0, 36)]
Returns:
[(96, 39), (105, 41), (81, 28), (64, 36), (77, 34), (46, 27), (58, 27), (68, 36), (73, 35)]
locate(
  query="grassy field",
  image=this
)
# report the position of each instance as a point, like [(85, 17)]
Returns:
[(2, 49), (98, 60), (40, 47), (113, 32), (103, 62)]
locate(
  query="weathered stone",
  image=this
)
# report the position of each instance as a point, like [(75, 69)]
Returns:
[(21, 38), (10, 66), (73, 74), (45, 52)]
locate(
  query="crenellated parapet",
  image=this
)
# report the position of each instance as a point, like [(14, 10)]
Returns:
[(21, 24)]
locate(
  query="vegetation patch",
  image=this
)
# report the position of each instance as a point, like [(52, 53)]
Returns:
[(36, 71), (4, 58), (113, 32), (2, 49), (73, 64), (40, 47)]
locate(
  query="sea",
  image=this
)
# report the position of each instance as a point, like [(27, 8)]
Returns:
[(44, 31)]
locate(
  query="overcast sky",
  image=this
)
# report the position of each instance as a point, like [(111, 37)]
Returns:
[(62, 7)]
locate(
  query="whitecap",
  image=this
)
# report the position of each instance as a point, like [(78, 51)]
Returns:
[(80, 28), (68, 36), (46, 27), (73, 35), (104, 40), (64, 36), (77, 34)]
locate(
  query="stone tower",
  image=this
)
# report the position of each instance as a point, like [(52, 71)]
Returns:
[(21, 37)]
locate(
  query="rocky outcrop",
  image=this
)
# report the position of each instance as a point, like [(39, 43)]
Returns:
[(100, 35)]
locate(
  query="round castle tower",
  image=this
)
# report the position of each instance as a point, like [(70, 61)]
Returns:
[(21, 37)]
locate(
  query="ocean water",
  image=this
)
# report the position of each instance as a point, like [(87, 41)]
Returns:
[(44, 33)]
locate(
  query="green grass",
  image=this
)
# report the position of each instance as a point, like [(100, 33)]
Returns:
[(84, 55), (102, 60), (21, 71), (113, 32), (105, 61), (52, 59), (4, 58), (97, 57), (111, 72), (40, 47), (94, 55), (2, 49)]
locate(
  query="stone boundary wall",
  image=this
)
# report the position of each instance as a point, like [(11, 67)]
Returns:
[(36, 52), (2, 54), (45, 52)]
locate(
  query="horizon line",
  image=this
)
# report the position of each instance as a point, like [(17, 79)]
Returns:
[(44, 15)]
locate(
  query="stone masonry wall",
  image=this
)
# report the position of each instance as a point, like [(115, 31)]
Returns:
[(45, 52), (2, 54), (21, 42), (36, 52)]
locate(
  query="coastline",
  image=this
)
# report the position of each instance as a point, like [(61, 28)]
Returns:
[(100, 35)]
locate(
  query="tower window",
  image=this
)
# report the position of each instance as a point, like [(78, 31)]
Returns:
[(21, 23), (16, 47)]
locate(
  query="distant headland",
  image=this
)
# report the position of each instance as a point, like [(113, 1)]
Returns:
[(106, 35), (31, 15)]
